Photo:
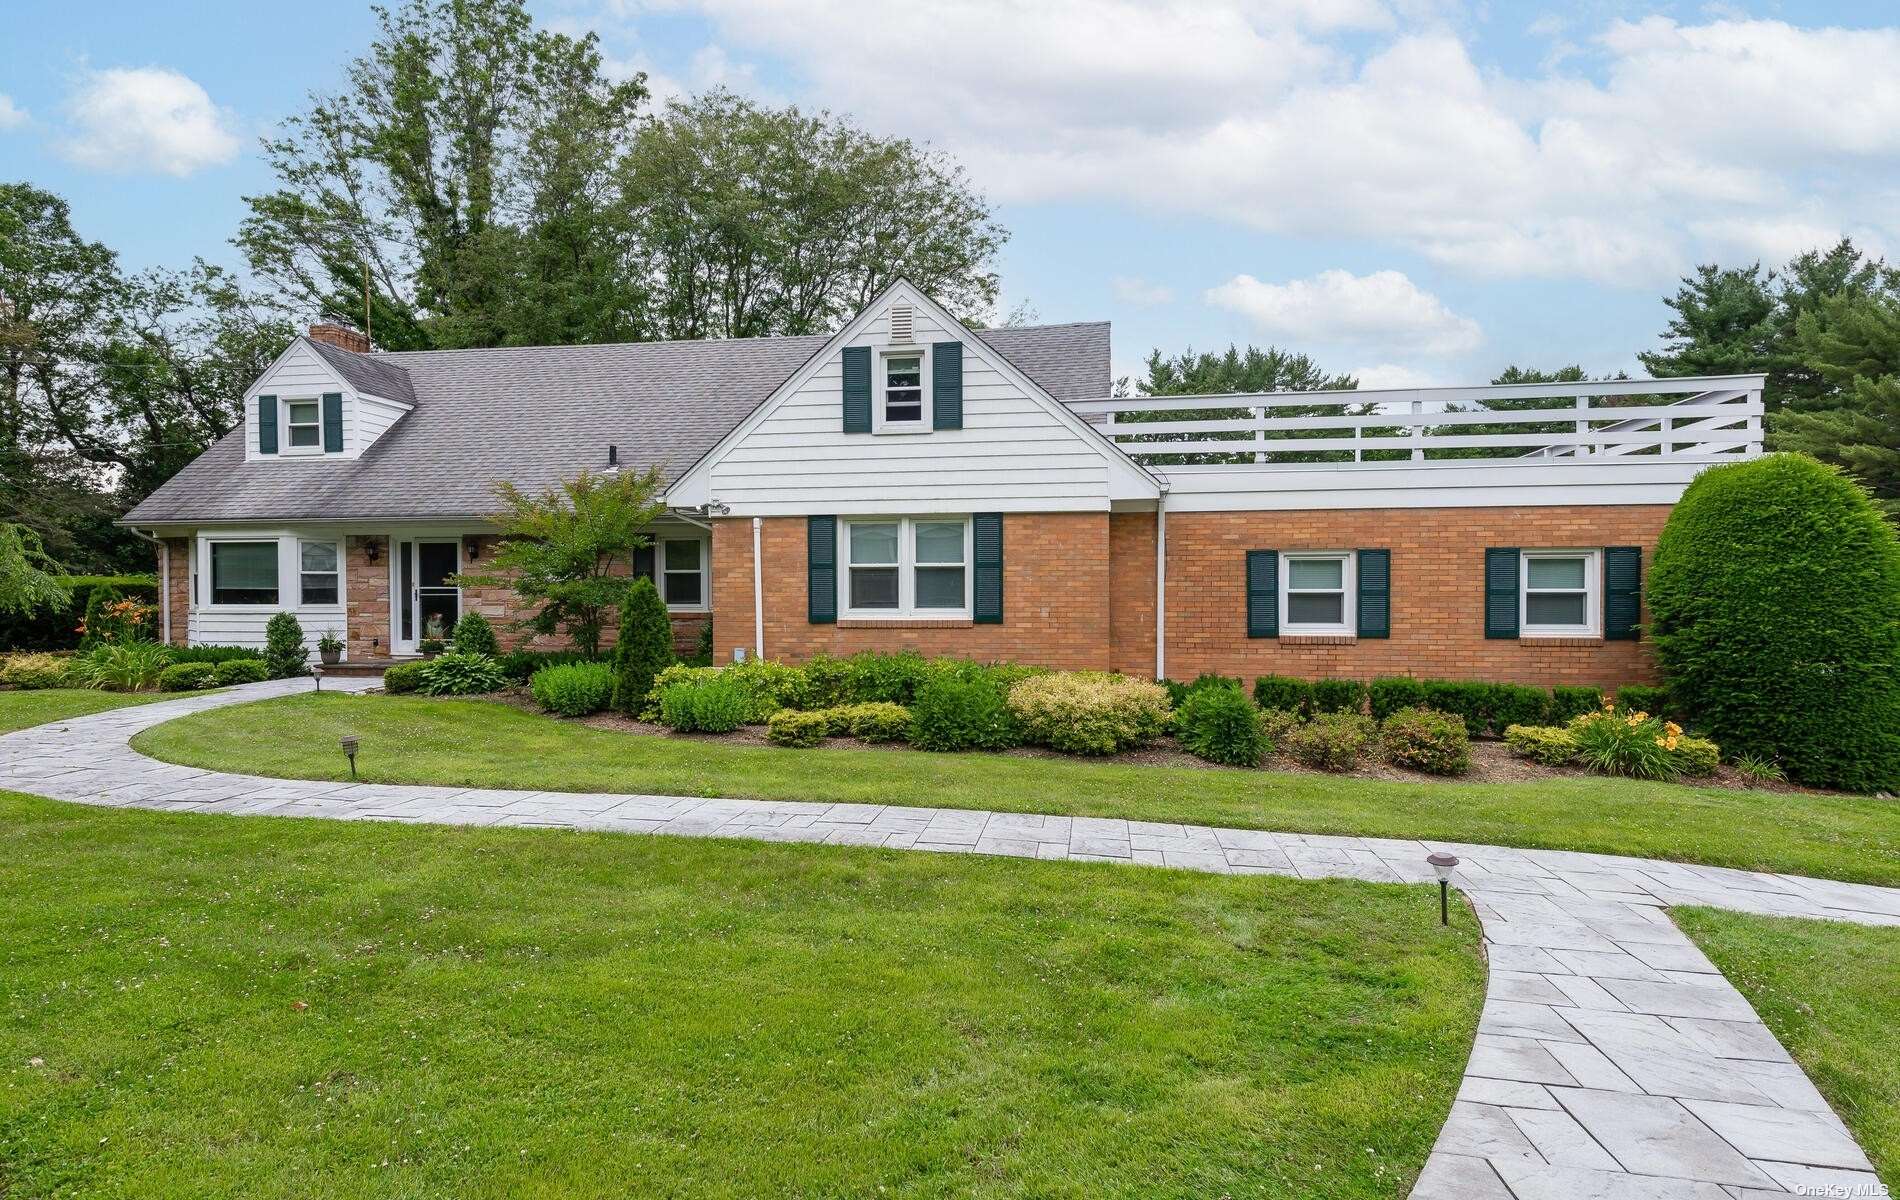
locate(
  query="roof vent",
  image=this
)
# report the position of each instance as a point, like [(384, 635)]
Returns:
[(900, 323)]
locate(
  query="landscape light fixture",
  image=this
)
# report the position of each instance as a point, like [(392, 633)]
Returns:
[(1443, 865), (316, 673), (349, 748)]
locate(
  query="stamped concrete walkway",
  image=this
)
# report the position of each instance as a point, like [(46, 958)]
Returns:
[(1612, 1061)]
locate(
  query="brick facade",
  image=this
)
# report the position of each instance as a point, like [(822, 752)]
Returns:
[(1080, 593), (177, 574), (1056, 598)]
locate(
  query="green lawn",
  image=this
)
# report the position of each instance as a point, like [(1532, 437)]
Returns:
[(1831, 993), (196, 1005), (410, 739), (19, 709)]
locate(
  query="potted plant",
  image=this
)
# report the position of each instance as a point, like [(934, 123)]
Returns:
[(330, 649), (431, 647)]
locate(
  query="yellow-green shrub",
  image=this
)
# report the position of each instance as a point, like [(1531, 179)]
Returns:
[(1089, 712)]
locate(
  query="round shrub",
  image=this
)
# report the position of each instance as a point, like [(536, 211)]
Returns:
[(572, 689), (675, 708), (1775, 612), (874, 721), (458, 674), (827, 683), (1221, 725), (1089, 712), (284, 651), (474, 635), (722, 705), (1546, 744), (35, 670), (951, 714), (403, 677), (1276, 724), (186, 677), (239, 670), (1331, 741), (791, 727), (1423, 739), (1697, 756)]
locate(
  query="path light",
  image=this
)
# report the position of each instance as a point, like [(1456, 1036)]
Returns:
[(1443, 865), (316, 673), (349, 748)]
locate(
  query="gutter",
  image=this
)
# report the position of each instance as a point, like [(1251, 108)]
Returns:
[(164, 584)]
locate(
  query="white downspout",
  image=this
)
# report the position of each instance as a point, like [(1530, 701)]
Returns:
[(1161, 585), (758, 593), (164, 584)]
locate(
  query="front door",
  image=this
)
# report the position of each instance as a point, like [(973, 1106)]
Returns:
[(432, 603)]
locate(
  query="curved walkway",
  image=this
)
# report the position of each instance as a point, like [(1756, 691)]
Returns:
[(1612, 1060)]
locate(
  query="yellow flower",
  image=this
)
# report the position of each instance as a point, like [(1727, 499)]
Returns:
[(1669, 743), (1672, 729)]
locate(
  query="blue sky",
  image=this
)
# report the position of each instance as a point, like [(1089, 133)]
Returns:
[(1415, 190)]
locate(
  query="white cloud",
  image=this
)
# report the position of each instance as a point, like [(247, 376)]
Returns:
[(1256, 112), (146, 119), (1139, 292), (1385, 310), (1393, 375), (12, 116)]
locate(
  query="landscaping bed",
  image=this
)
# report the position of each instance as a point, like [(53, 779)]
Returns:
[(200, 1005), (479, 743)]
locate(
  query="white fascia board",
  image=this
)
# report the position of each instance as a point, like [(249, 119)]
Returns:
[(879, 508), (1214, 488), (1127, 479)]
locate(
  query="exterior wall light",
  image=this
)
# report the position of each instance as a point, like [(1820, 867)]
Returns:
[(372, 548), (1443, 865)]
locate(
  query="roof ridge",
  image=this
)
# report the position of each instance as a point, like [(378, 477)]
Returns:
[(709, 341)]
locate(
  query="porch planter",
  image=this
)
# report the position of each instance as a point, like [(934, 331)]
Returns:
[(330, 657)]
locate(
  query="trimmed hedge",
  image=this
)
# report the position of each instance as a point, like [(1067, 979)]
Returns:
[(215, 654), (403, 677), (36, 670), (520, 665), (1775, 613), (1390, 693), (1221, 725), (1283, 692), (954, 714), (187, 677), (1338, 695), (234, 671)]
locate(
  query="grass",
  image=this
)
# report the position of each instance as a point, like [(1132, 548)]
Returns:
[(197, 1005), (410, 739), (1831, 994), (23, 708)]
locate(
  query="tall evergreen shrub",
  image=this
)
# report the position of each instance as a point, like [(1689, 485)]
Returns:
[(1775, 606), (644, 648)]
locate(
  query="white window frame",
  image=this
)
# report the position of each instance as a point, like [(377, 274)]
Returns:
[(211, 572), (284, 404), (906, 609), (1592, 594), (660, 573), (1348, 587), (299, 544), (880, 384)]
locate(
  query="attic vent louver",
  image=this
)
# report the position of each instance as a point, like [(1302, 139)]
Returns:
[(901, 323)]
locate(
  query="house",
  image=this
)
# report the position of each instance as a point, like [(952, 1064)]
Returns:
[(909, 482)]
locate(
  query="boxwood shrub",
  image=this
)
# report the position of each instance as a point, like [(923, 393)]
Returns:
[(1643, 697), (793, 727), (403, 677), (240, 670), (1338, 695), (1221, 725), (1283, 692), (1773, 601), (1568, 702), (1390, 693), (956, 714), (187, 677)]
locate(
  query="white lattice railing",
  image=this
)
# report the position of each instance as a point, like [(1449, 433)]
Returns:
[(1644, 419)]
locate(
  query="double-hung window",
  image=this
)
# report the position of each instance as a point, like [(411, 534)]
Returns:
[(907, 566), (243, 572), (317, 563), (683, 572), (903, 400), (303, 423), (1558, 593), (1316, 591)]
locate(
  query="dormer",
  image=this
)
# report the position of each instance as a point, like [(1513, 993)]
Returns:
[(325, 398), (904, 375)]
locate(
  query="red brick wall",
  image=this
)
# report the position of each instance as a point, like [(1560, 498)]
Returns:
[(1056, 597), (1131, 593), (1437, 593)]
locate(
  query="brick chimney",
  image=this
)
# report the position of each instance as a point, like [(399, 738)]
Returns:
[(340, 335)]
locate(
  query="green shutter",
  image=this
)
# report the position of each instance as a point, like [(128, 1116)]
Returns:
[(1375, 593), (821, 569), (946, 385), (1263, 593), (333, 422), (986, 532), (643, 561), (267, 424), (857, 389), (1622, 591), (1500, 592)]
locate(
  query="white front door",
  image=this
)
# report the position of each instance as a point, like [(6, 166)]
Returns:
[(430, 604)]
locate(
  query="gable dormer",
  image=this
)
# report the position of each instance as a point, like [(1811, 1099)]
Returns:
[(325, 398)]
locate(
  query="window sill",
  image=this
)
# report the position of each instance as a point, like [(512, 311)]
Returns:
[(905, 622), (1319, 639), (1560, 639)]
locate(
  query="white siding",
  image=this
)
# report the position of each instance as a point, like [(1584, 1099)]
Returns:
[(1013, 453), (301, 374), (243, 625)]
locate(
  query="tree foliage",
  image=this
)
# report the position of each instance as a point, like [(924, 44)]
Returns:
[(564, 550), (29, 578), (1252, 370), (1775, 606), (1852, 343)]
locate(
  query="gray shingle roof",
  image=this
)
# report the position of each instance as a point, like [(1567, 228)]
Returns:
[(535, 415), (372, 373)]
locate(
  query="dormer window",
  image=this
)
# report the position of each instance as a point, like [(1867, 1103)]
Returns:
[(303, 419), (903, 400)]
